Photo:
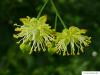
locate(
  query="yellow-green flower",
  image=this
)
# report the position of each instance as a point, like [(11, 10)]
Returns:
[(71, 40), (36, 32)]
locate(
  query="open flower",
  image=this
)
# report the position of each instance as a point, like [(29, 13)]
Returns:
[(36, 32), (72, 38)]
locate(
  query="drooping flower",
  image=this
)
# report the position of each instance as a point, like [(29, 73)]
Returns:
[(36, 32), (72, 40)]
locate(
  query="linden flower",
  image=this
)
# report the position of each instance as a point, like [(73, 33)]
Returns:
[(74, 38), (36, 31)]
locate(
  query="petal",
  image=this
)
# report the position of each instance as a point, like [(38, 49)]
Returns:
[(43, 19), (18, 29), (25, 21)]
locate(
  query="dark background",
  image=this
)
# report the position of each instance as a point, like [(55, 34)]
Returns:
[(80, 13)]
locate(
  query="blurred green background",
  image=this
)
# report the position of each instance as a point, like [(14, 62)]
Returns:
[(80, 13)]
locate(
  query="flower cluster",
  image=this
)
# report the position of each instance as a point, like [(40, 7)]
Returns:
[(35, 32), (36, 35), (74, 38)]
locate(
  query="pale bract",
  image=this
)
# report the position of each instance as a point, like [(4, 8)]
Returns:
[(72, 40), (35, 33)]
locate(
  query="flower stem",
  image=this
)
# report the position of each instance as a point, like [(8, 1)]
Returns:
[(39, 14), (55, 22), (58, 13)]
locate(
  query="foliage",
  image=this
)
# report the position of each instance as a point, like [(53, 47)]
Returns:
[(83, 14)]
